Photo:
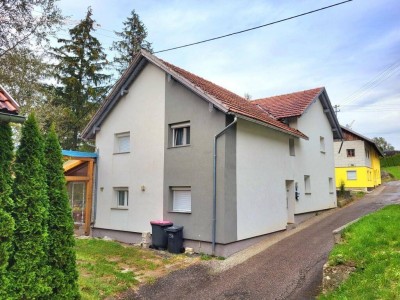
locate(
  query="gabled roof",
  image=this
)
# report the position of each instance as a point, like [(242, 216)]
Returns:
[(347, 130), (289, 105), (221, 98), (7, 103), (295, 105)]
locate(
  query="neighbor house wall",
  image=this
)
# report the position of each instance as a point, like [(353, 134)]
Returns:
[(141, 113)]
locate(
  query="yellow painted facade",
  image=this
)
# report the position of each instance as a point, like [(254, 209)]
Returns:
[(364, 177)]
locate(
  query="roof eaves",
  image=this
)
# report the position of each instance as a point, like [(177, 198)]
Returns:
[(364, 138), (328, 109), (295, 132), (117, 91), (184, 81)]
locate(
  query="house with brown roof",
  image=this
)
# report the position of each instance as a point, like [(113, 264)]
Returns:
[(9, 108), (174, 146), (357, 162)]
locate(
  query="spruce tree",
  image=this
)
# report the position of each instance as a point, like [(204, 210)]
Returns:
[(82, 83), (133, 38), (6, 221), (61, 254), (28, 264)]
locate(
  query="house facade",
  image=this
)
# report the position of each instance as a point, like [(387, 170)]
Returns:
[(357, 163), (174, 146)]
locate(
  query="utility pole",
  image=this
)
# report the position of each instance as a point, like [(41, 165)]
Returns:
[(336, 109)]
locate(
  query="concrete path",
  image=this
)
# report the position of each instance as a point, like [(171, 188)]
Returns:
[(287, 268)]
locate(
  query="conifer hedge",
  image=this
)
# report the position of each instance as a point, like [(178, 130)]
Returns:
[(29, 269), (6, 221), (61, 255)]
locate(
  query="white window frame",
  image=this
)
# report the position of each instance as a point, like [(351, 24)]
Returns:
[(181, 207), (331, 188), (117, 142), (292, 148), (307, 184), (353, 175), (186, 128), (322, 144), (117, 193)]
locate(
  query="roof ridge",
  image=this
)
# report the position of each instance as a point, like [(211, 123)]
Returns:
[(288, 94)]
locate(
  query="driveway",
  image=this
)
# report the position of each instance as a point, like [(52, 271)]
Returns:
[(289, 269)]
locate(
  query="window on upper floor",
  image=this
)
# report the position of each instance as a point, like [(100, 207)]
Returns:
[(181, 199), (180, 134), (351, 152), (307, 184), (291, 147), (352, 175), (122, 142), (322, 144)]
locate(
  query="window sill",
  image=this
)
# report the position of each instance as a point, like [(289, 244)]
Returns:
[(323, 152), (180, 146), (119, 208), (307, 193), (117, 153), (180, 212)]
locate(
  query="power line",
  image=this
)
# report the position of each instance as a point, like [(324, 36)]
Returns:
[(253, 28)]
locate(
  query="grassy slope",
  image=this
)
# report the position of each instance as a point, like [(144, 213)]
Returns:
[(373, 245), (395, 171)]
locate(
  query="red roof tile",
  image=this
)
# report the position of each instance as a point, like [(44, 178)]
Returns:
[(289, 105), (233, 102), (7, 105)]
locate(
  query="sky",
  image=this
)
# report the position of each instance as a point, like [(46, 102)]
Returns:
[(353, 49)]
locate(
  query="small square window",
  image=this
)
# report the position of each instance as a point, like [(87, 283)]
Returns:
[(291, 147), (121, 197), (122, 143), (351, 175), (180, 134), (322, 144), (307, 184), (351, 152), (181, 199)]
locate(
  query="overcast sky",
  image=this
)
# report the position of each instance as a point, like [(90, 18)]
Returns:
[(352, 49)]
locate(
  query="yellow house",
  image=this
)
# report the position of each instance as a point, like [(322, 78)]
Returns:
[(357, 162)]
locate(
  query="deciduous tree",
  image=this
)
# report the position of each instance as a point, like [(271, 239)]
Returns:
[(382, 144)]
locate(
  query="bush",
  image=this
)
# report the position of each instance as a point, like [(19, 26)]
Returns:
[(390, 161), (64, 276), (28, 264)]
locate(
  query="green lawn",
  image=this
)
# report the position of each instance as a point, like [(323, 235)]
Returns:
[(108, 268), (395, 171), (373, 246)]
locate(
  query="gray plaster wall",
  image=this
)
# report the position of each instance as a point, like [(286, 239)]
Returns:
[(193, 166)]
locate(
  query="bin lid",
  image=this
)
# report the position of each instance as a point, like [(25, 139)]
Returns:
[(161, 223), (175, 228)]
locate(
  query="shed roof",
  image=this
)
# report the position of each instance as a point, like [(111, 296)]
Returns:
[(7, 103)]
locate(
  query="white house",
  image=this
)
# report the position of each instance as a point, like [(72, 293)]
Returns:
[(156, 133)]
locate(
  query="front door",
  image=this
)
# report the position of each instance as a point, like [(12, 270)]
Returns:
[(76, 193), (290, 201)]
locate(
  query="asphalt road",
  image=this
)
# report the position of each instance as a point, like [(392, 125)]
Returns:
[(289, 269)]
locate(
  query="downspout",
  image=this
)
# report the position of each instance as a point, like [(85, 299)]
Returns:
[(214, 217), (341, 146), (96, 172)]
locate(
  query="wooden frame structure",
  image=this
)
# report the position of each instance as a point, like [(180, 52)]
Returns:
[(76, 160)]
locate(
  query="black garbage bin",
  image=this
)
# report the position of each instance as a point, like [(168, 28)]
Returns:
[(175, 239), (159, 238)]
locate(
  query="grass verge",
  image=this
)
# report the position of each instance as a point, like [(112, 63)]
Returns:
[(372, 245), (108, 268), (395, 171)]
